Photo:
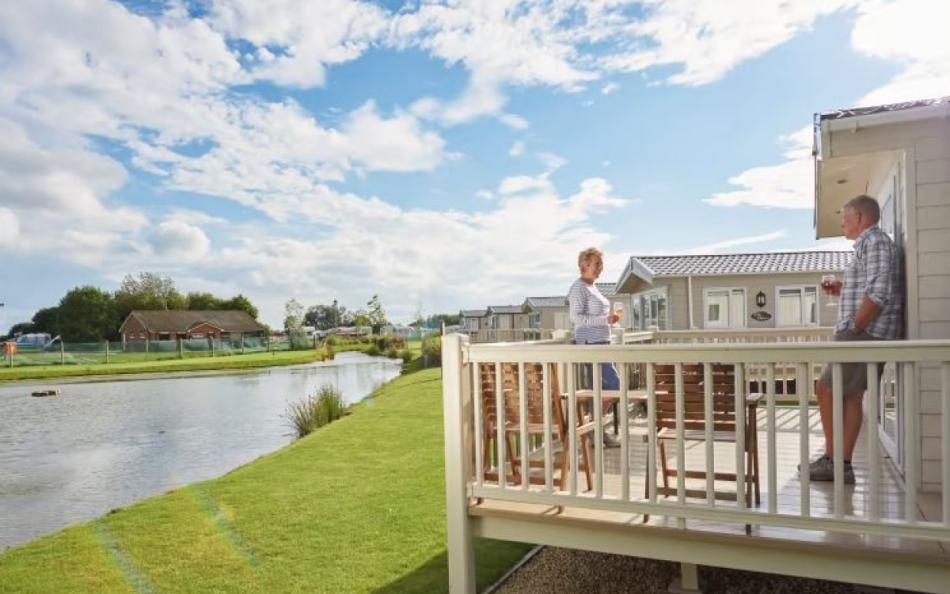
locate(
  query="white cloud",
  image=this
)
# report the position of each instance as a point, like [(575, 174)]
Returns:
[(9, 227), (518, 184), (517, 149), (551, 161), (306, 36), (910, 32), (727, 244), (179, 240), (513, 121), (609, 88), (708, 38), (485, 194)]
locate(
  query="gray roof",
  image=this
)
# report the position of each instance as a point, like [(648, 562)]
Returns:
[(504, 309), (607, 289), (767, 263), (546, 301), (860, 111), (474, 313), (184, 320)]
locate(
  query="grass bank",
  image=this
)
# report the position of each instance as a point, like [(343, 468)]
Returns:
[(247, 361), (358, 506)]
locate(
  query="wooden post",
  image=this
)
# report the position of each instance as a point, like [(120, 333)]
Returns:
[(146, 343), (181, 349), (62, 352), (242, 343), (456, 402), (268, 342), (106, 341), (211, 341)]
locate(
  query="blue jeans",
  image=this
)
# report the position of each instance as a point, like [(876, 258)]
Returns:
[(609, 378)]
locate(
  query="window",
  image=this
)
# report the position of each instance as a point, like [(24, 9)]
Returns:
[(651, 310), (724, 308), (797, 306)]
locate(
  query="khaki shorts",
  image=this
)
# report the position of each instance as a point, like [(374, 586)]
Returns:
[(854, 375)]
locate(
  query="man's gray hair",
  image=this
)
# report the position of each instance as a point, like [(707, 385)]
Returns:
[(867, 206)]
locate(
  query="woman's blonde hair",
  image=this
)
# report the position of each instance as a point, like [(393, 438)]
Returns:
[(588, 255)]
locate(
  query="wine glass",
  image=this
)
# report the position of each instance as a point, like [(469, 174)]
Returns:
[(832, 287)]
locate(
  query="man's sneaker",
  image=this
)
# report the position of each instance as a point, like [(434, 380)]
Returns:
[(823, 469), (611, 440)]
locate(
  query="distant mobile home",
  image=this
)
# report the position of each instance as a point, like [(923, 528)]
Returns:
[(715, 292)]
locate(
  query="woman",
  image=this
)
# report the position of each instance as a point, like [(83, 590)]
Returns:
[(591, 316)]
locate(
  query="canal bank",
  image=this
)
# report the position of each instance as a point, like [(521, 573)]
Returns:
[(98, 445), (358, 506)]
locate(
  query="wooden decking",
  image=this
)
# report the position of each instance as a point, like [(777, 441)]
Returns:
[(788, 495)]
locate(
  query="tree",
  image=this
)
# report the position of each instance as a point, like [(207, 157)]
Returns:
[(375, 313), (87, 314), (199, 301), (148, 291), (241, 303), (435, 320), (326, 317), (21, 328), (47, 320), (293, 316)]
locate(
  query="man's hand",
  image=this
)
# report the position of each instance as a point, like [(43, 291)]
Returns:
[(865, 315), (613, 318)]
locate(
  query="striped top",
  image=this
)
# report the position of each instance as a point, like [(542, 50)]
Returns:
[(589, 310)]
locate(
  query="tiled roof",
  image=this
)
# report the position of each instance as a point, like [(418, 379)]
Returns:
[(859, 111), (184, 320), (504, 309), (770, 263), (546, 301), (607, 289), (474, 313)]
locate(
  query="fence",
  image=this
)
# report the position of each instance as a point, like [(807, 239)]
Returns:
[(494, 457), (91, 353)]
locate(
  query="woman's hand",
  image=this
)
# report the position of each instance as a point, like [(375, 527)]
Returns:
[(613, 318)]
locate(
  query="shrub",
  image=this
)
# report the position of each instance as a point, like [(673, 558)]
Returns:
[(332, 341), (384, 342), (432, 350), (405, 355), (315, 411), (392, 352), (373, 350), (330, 351)]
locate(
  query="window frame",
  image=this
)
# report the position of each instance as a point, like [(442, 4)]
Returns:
[(646, 309), (729, 291), (801, 304)]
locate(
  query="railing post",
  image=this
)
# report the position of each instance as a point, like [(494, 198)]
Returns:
[(457, 403)]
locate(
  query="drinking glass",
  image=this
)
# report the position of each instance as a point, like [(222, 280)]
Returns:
[(832, 287)]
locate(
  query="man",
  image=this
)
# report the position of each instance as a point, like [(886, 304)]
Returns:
[(870, 308)]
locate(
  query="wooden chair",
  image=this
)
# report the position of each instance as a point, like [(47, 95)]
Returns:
[(534, 396), (694, 425)]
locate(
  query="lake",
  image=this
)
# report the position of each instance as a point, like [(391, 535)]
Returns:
[(107, 443)]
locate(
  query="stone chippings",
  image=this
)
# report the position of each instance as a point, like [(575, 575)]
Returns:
[(568, 571)]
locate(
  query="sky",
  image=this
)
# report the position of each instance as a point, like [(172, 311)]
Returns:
[(442, 155)]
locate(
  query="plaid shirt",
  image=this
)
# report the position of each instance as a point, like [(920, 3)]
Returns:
[(874, 273)]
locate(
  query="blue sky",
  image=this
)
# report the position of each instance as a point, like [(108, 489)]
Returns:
[(439, 155)]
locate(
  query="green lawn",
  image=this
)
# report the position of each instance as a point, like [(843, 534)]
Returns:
[(357, 506), (203, 363)]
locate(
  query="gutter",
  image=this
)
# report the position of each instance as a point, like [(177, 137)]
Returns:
[(689, 300)]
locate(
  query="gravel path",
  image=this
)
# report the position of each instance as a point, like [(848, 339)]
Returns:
[(555, 570)]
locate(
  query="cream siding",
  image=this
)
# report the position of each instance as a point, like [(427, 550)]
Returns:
[(925, 207), (932, 223)]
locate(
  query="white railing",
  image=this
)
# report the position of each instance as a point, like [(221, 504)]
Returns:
[(745, 335), (483, 335), (465, 426)]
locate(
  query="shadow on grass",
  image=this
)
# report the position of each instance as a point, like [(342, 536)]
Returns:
[(492, 559)]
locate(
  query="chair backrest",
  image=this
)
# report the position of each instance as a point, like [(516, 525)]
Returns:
[(723, 397), (534, 393)]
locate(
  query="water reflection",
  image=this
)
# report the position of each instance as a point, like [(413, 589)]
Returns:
[(102, 445)]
